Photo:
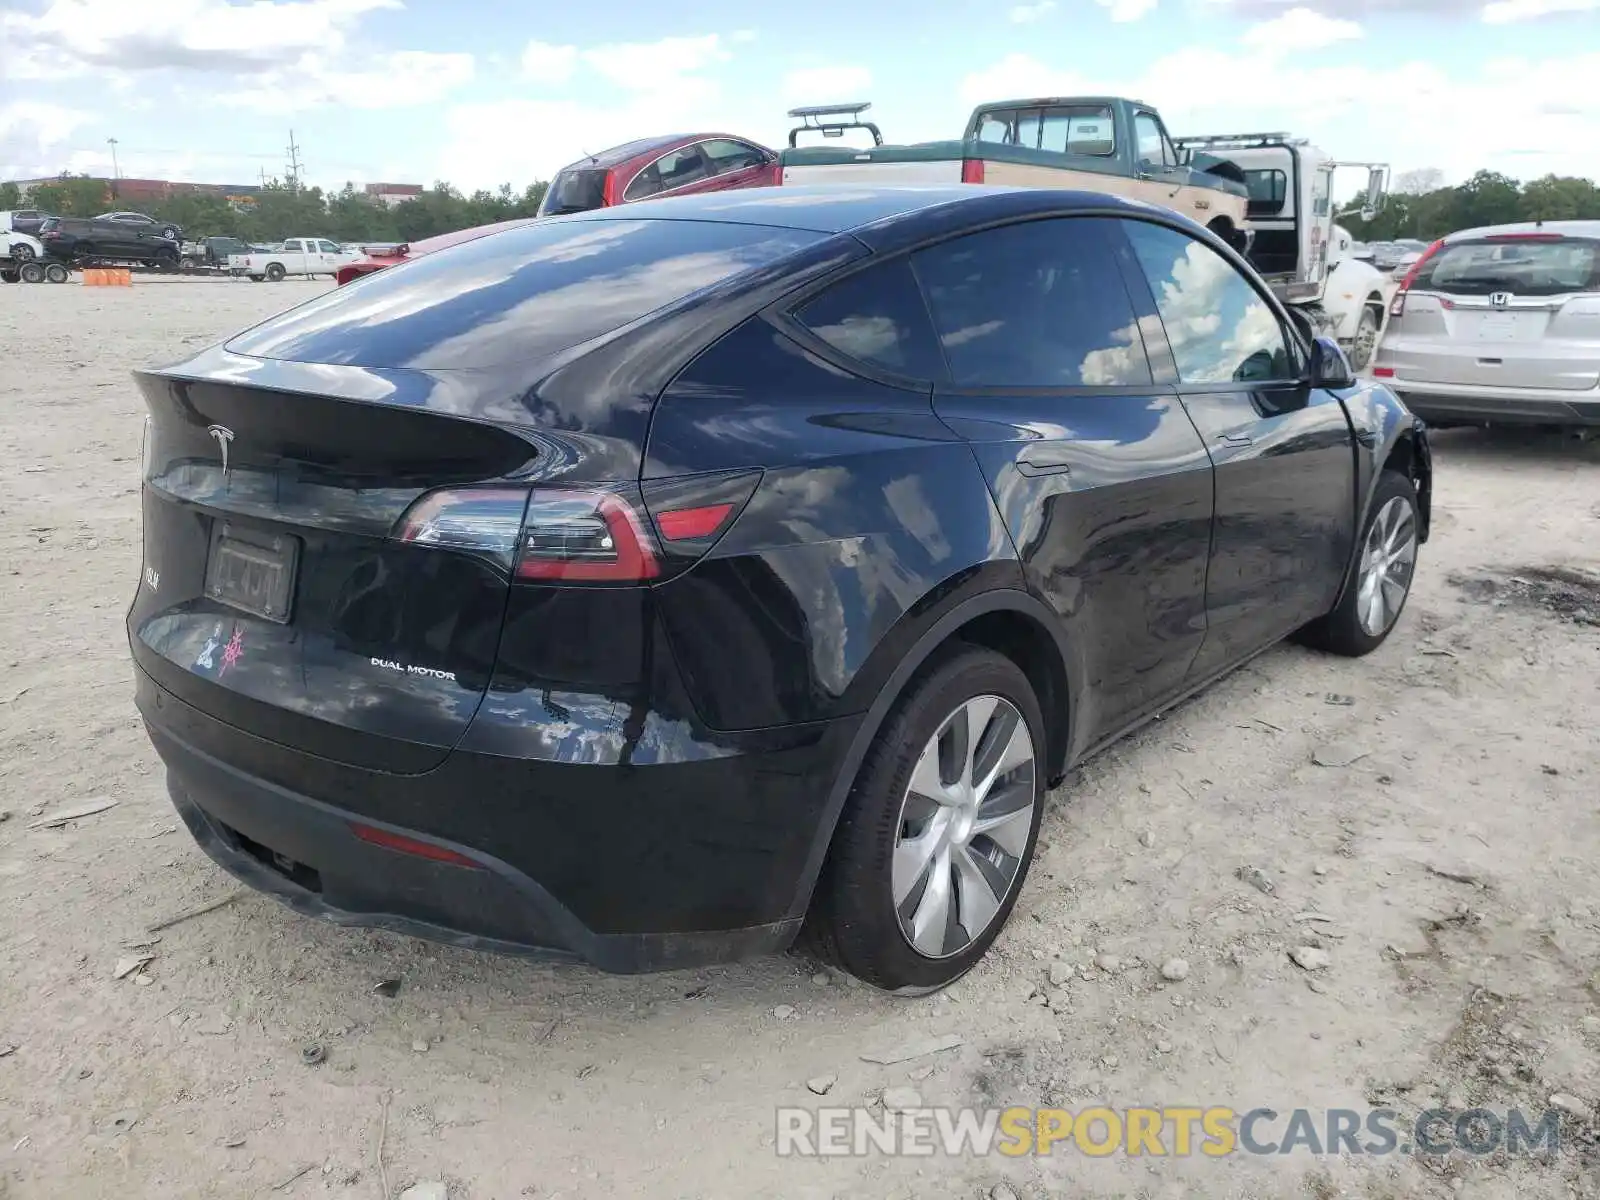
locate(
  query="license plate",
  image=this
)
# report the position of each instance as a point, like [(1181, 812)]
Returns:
[(1497, 327), (252, 571)]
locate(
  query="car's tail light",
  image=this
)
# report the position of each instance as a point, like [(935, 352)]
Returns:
[(588, 537), (557, 534), (581, 534), (972, 170), (1383, 372), (1397, 306), (483, 520)]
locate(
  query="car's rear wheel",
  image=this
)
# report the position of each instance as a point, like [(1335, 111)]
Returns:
[(275, 272), (937, 835), (170, 232), (22, 252), (1380, 578)]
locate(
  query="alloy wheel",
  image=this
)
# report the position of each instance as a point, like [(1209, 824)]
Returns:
[(1387, 562), (964, 826)]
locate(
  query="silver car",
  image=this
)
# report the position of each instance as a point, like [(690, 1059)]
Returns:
[(1500, 324)]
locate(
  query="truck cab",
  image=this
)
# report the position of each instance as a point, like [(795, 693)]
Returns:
[(1088, 143), (1296, 247)]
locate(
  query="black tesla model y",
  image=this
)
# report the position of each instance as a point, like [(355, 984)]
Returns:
[(653, 584)]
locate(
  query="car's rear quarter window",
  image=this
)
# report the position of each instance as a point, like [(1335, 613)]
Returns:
[(878, 317), (519, 295)]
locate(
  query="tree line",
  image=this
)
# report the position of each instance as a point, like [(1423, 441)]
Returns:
[(281, 210), (1421, 207)]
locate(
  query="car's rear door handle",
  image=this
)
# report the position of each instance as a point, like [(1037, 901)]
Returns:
[(1236, 439), (1045, 458)]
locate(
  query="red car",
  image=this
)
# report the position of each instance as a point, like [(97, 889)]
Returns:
[(660, 166), (409, 250), (681, 163)]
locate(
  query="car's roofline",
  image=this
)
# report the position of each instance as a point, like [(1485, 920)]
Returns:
[(1581, 228), (868, 212)]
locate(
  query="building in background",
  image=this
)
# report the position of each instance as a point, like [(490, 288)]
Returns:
[(391, 194)]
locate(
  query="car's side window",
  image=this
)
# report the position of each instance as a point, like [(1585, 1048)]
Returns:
[(1036, 304), (725, 154), (327, 247), (674, 169), (1221, 329), (878, 316)]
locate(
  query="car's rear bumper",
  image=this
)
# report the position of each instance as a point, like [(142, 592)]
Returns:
[(645, 902), (1474, 404)]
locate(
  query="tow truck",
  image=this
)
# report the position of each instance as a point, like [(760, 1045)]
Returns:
[(1299, 251)]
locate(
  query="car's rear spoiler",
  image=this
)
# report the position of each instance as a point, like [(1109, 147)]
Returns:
[(812, 121)]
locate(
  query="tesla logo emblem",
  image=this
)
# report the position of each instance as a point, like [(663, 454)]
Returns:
[(224, 435), (1500, 300)]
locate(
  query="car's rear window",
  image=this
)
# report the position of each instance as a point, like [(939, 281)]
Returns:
[(574, 191), (1521, 266), (519, 295)]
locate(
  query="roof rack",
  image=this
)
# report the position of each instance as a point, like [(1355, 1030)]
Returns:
[(1240, 141), (812, 121)]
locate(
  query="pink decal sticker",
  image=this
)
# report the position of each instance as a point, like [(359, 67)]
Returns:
[(232, 652)]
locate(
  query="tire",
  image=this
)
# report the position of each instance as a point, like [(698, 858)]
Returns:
[(1344, 631), (8, 275), (22, 252), (170, 232), (854, 920), (56, 273), (1365, 344), (275, 272), (31, 272)]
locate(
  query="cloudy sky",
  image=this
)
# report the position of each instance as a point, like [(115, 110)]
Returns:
[(481, 93)]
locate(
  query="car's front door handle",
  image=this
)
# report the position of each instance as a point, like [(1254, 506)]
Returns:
[(1045, 458)]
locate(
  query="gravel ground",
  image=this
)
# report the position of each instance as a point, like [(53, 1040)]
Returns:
[(1452, 857)]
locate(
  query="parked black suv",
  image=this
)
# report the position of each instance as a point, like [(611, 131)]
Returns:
[(81, 239), (646, 584)]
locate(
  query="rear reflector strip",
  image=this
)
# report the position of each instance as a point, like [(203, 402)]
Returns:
[(687, 524), (1383, 372), (412, 846)]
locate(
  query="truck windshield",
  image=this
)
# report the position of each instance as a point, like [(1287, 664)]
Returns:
[(1064, 128)]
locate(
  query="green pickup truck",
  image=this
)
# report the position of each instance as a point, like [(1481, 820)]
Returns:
[(1090, 143)]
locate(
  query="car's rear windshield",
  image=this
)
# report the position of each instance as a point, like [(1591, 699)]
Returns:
[(1522, 266), (519, 295), (574, 191)]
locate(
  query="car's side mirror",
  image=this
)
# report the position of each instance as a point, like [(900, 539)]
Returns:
[(1329, 366)]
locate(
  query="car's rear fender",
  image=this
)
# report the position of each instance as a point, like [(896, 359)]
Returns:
[(1008, 619)]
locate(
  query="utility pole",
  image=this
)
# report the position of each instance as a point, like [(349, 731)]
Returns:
[(294, 163), (115, 173)]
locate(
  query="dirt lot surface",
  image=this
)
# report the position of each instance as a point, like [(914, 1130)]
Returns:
[(1447, 856)]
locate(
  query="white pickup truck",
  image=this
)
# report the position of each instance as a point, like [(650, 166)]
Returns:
[(297, 256)]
